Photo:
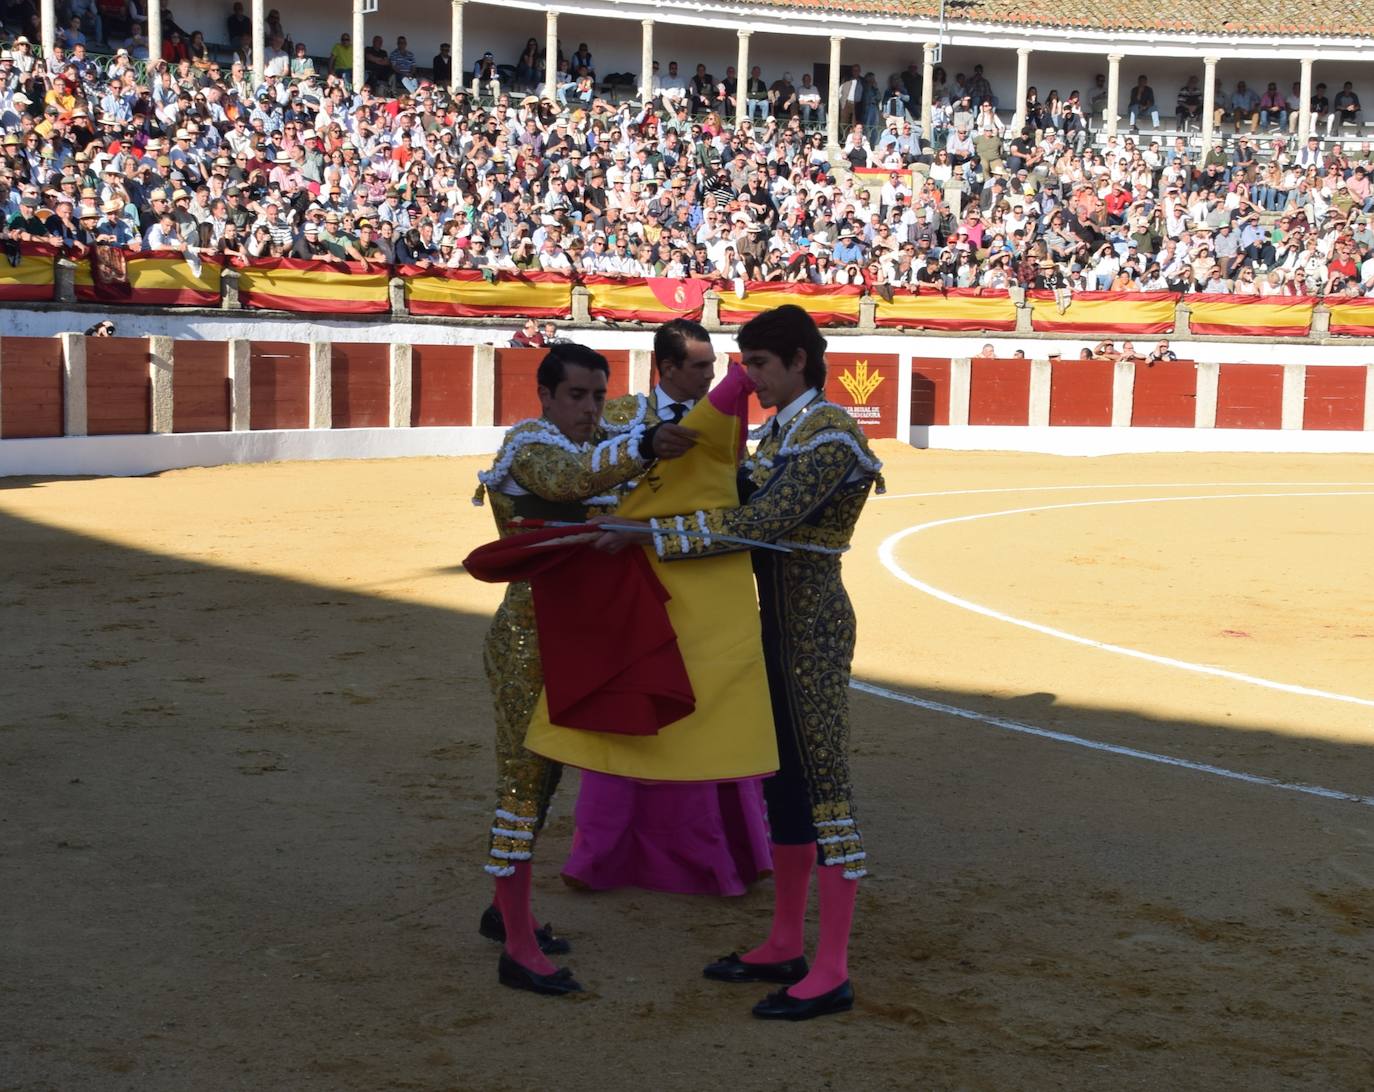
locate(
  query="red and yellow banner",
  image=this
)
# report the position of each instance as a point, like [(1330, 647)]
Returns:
[(330, 288), (466, 293), (1104, 312), (34, 279), (953, 309), (829, 305), (640, 299), (159, 278), (1353, 317), (1250, 316)]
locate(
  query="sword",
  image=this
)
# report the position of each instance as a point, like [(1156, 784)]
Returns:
[(690, 532)]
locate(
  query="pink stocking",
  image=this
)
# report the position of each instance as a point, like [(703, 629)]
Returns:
[(513, 899), (791, 883), (831, 966)]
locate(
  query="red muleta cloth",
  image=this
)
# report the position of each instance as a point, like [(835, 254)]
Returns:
[(611, 658)]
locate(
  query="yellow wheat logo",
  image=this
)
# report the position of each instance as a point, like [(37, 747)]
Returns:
[(859, 383)]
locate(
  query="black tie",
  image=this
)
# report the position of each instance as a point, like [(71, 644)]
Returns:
[(775, 430), (676, 412)]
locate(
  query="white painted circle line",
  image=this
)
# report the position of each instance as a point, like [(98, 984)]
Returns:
[(1111, 748), (887, 555), (1140, 485)]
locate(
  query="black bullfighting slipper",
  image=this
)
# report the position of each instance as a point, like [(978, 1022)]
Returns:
[(733, 969), (517, 977), (783, 1006), (493, 928)]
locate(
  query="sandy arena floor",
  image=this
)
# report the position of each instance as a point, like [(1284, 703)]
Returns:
[(245, 765)]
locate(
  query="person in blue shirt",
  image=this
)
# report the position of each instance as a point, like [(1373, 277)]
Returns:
[(847, 249)]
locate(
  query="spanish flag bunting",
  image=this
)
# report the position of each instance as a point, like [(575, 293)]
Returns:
[(1353, 317), (1250, 316), (828, 304), (645, 299), (162, 278), (953, 309), (329, 288), (1104, 312), (33, 279), (714, 614), (471, 293)]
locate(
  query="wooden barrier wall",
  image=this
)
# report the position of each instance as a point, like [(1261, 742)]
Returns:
[(273, 385)]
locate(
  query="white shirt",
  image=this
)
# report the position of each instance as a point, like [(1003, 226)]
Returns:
[(664, 403), (784, 416)]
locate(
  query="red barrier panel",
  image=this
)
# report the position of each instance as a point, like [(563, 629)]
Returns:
[(440, 385), (360, 386), (200, 386), (1335, 398), (1165, 394), (1250, 396), (30, 387), (865, 384), (280, 395), (929, 391), (1081, 392), (517, 395), (119, 388), (999, 392)]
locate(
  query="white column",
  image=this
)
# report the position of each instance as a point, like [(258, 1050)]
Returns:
[(321, 385), (402, 385), (1022, 86), (646, 60), (1123, 393), (240, 384), (832, 97), (483, 385), (1209, 103), (641, 371), (161, 366), (73, 384), (1113, 93), (359, 29), (927, 89), (1041, 375), (1208, 385), (154, 30), (550, 55), (455, 37), (742, 77), (47, 24), (960, 388), (259, 39), (1294, 396), (1305, 97)]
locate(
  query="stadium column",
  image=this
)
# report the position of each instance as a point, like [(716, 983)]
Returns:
[(551, 56), (832, 95), (646, 61), (1018, 119), (1209, 103), (455, 33), (742, 78), (359, 63), (154, 32), (1305, 98), (1113, 93), (260, 41), (47, 28), (927, 89)]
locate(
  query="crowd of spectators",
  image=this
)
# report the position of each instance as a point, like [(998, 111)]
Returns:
[(187, 154)]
